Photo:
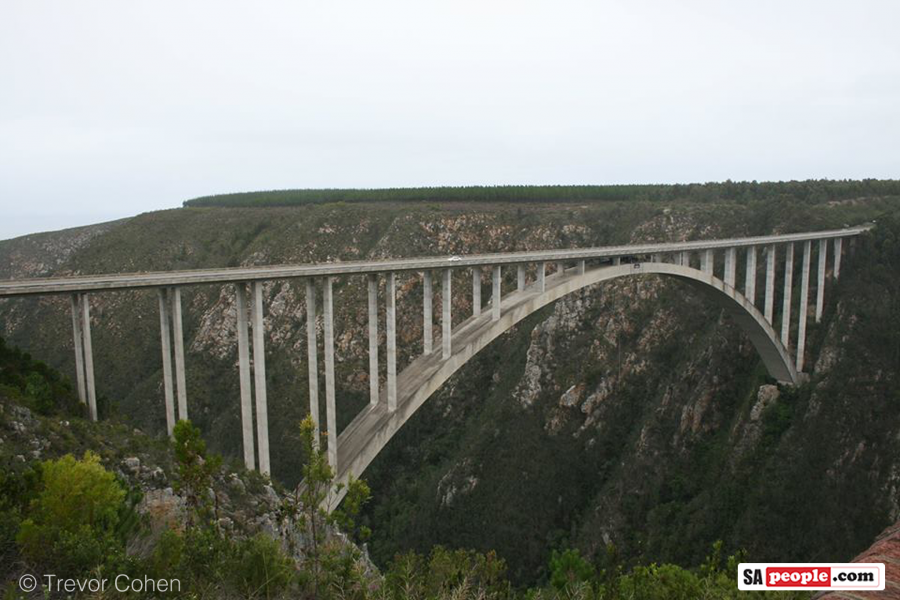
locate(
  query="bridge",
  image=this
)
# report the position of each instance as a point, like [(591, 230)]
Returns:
[(541, 278)]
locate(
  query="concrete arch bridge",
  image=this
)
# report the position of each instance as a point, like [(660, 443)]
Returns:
[(556, 274)]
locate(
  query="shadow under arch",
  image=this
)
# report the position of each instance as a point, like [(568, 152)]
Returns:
[(374, 426)]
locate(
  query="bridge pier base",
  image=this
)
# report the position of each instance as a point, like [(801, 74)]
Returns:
[(312, 357), (495, 295), (804, 306), (427, 318), (328, 333), (244, 374), (786, 301), (165, 338), (88, 355), (446, 324), (259, 377), (750, 276), (708, 262), (730, 266), (78, 343), (820, 285), (476, 291), (178, 339), (391, 344), (838, 246), (372, 282), (769, 309)]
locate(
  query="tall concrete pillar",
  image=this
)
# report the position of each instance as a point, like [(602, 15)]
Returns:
[(496, 295), (730, 266), (178, 339), (78, 339), (446, 323), (166, 360), (804, 306), (259, 378), (657, 258), (328, 333), (838, 243), (428, 319), (581, 267), (770, 284), (312, 357), (520, 277), (373, 338), (391, 327), (616, 261), (542, 277), (476, 291), (686, 258), (244, 372), (788, 288), (708, 262), (560, 267), (750, 275), (88, 356), (820, 284)]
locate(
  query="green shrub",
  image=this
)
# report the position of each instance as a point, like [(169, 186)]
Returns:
[(259, 567), (72, 523)]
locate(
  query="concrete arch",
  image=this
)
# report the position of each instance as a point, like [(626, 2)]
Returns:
[(371, 430)]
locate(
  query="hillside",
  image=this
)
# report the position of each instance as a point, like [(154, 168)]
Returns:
[(630, 416)]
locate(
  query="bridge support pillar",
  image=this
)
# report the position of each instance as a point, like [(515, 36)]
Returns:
[(685, 258), (750, 275), (520, 277), (165, 337), (616, 261), (244, 374), (88, 355), (312, 361), (804, 306), (446, 323), (788, 289), (78, 343), (476, 291), (542, 277), (838, 244), (770, 284), (657, 258), (178, 339), (495, 295), (820, 284), (427, 308), (372, 283), (707, 262), (581, 267), (560, 268), (730, 266), (259, 377), (391, 327), (328, 332)]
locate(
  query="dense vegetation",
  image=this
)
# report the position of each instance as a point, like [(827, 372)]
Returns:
[(805, 191), (76, 519)]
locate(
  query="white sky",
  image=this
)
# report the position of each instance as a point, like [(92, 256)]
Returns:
[(111, 108)]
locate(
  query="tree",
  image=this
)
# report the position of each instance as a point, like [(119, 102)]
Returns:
[(195, 471)]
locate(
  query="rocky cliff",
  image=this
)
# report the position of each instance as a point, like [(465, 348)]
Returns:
[(631, 419)]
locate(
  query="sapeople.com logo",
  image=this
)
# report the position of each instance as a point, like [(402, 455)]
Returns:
[(810, 576)]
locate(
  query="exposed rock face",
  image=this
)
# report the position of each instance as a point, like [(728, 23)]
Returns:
[(622, 411)]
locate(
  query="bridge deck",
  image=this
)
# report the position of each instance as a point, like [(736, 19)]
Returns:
[(89, 283)]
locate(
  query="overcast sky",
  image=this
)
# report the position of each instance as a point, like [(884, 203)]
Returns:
[(112, 108)]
